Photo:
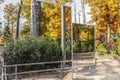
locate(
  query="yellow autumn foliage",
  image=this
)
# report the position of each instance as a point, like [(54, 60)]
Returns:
[(50, 17), (104, 10)]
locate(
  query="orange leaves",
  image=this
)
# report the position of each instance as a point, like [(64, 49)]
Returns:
[(115, 13), (97, 42), (104, 10)]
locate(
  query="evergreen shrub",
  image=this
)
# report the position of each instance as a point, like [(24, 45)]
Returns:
[(32, 50)]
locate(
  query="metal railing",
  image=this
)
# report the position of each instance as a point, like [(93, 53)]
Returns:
[(5, 75)]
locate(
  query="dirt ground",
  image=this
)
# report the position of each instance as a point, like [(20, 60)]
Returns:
[(105, 69)]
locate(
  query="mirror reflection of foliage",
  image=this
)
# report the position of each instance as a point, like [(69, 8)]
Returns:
[(26, 15), (83, 32), (50, 17), (83, 36)]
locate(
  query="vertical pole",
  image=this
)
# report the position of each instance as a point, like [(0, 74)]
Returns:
[(63, 34), (16, 77), (71, 43), (2, 74), (108, 32), (95, 39), (108, 36), (79, 17), (95, 46), (5, 73)]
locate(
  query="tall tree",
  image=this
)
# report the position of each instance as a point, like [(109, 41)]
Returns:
[(35, 18), (105, 14), (10, 13), (18, 20)]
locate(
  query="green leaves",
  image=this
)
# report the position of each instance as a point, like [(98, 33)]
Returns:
[(32, 50)]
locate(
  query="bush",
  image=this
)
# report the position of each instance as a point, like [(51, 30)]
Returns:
[(118, 45), (84, 46), (101, 49), (76, 46), (30, 50)]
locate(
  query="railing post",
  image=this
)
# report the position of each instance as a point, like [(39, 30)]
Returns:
[(2, 73), (63, 35), (16, 77), (61, 70), (4, 67)]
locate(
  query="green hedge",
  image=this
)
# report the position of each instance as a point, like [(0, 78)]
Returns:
[(83, 46), (31, 50)]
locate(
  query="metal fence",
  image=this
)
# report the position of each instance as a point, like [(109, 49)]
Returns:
[(61, 70)]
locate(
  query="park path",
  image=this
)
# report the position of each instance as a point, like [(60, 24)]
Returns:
[(106, 68)]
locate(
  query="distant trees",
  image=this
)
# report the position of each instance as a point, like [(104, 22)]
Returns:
[(105, 13), (10, 21), (37, 21)]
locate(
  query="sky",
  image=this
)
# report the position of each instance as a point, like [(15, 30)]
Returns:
[(3, 5), (78, 8)]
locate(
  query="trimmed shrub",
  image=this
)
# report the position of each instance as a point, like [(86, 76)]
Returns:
[(30, 50)]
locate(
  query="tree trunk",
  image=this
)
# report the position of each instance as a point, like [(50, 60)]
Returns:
[(35, 18), (18, 20), (83, 11), (108, 33)]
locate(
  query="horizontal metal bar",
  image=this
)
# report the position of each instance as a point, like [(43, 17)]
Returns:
[(68, 4), (47, 1), (27, 72), (29, 64)]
